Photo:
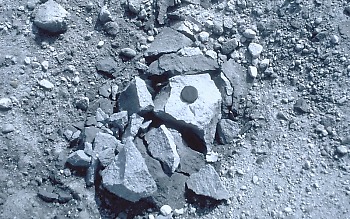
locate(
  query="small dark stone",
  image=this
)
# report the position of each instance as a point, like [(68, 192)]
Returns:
[(64, 197), (189, 94), (47, 196), (111, 28)]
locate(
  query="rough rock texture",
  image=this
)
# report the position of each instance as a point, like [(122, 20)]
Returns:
[(207, 182), (119, 120), (200, 116), (227, 131), (171, 189), (107, 66), (51, 17), (167, 41), (163, 6), (135, 122), (128, 176), (136, 98), (105, 146), (162, 147), (191, 161), (173, 64), (5, 103), (79, 159), (237, 75)]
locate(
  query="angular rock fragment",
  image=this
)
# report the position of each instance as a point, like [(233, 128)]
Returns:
[(51, 17), (91, 172), (101, 116), (228, 130), (163, 6), (128, 176), (135, 123), (168, 41), (105, 146), (255, 50), (162, 147), (47, 196), (136, 98), (119, 120), (79, 159), (82, 103), (90, 133), (173, 64), (135, 6), (229, 46), (301, 106), (105, 15), (107, 66), (46, 84), (5, 103), (191, 161), (111, 28), (200, 116), (207, 182)]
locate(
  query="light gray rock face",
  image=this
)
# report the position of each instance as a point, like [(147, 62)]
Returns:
[(135, 123), (105, 146), (162, 147), (207, 182), (128, 176), (135, 5), (167, 41), (136, 98), (227, 131), (255, 50), (5, 103), (173, 64), (119, 120), (46, 84), (51, 17), (79, 159), (202, 115)]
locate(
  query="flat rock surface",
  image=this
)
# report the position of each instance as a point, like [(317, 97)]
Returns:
[(207, 182), (168, 41)]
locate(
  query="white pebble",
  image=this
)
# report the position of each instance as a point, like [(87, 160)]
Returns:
[(46, 84), (204, 36), (255, 49), (100, 44), (45, 65), (249, 33), (166, 210), (253, 71)]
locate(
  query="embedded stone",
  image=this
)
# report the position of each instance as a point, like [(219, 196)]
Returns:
[(227, 131), (51, 17), (105, 146), (79, 159), (167, 41), (5, 103), (207, 182)]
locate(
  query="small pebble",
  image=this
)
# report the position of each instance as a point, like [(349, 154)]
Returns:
[(249, 33), (46, 84), (128, 52), (342, 150), (334, 39), (255, 180), (45, 65), (7, 128), (204, 36), (100, 44), (166, 210), (255, 49), (5, 103), (253, 71)]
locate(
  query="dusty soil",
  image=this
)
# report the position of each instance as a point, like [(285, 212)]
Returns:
[(288, 163)]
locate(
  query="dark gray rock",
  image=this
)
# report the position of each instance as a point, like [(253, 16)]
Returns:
[(207, 182), (107, 66), (191, 161), (167, 41), (47, 196), (51, 17), (136, 98), (82, 103), (105, 146), (79, 159), (301, 106), (105, 15), (128, 52), (111, 28), (91, 172), (64, 196), (162, 147), (227, 131), (228, 46), (128, 176), (174, 64)]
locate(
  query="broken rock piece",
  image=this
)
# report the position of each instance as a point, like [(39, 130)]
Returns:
[(174, 64), (168, 41), (79, 159), (135, 122), (201, 116), (162, 147), (128, 176), (207, 182), (136, 98), (51, 17), (105, 146), (227, 131)]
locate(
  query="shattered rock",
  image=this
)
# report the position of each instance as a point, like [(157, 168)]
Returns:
[(119, 120), (105, 146), (200, 116), (191, 161), (168, 41), (207, 182), (107, 66), (79, 159), (228, 130), (128, 176), (135, 123), (173, 64), (162, 147), (136, 98), (5, 103), (82, 103), (51, 17), (163, 6)]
